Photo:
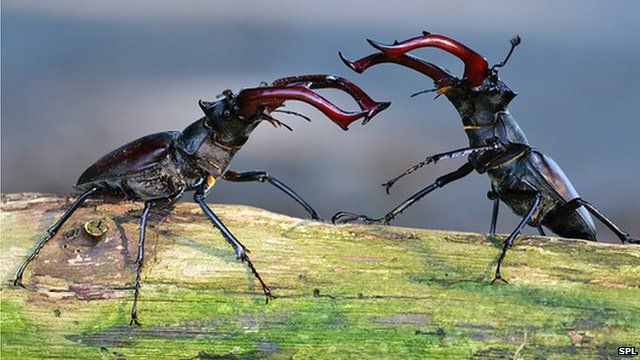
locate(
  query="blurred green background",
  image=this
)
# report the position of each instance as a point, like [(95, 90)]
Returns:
[(81, 78)]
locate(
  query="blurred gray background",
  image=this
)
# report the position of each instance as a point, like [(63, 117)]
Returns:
[(81, 78)]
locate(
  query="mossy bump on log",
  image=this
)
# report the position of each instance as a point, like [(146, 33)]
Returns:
[(347, 291)]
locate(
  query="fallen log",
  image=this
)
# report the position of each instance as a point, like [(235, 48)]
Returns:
[(348, 291)]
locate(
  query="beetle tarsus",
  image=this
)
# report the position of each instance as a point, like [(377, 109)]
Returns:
[(265, 289), (497, 277), (344, 217)]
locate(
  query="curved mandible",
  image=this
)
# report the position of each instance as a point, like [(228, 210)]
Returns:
[(250, 100), (476, 67), (322, 81), (439, 75)]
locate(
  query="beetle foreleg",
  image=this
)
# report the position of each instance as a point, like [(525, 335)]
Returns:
[(511, 238), (345, 217), (139, 260), (52, 232), (263, 176), (494, 145), (241, 251)]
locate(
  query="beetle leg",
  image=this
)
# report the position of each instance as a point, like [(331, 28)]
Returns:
[(494, 145), (263, 176), (509, 241), (577, 202), (541, 231), (492, 195), (139, 260), (199, 197), (345, 217), (52, 232)]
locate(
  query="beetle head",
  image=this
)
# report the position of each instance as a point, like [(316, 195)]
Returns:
[(224, 122), (479, 88), (230, 119)]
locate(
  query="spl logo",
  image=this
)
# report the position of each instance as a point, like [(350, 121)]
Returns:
[(627, 350)]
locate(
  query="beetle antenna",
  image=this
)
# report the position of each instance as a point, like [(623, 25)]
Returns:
[(515, 41), (424, 92), (291, 112)]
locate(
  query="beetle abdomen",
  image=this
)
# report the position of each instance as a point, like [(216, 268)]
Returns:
[(537, 172)]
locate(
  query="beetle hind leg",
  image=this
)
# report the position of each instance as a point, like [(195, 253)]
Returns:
[(509, 241), (621, 234), (139, 260), (53, 230)]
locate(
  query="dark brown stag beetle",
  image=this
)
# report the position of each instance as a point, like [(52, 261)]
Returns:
[(529, 182), (159, 168)]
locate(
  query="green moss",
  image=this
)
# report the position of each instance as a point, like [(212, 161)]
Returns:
[(344, 292)]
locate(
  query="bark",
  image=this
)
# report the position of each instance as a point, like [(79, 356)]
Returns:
[(343, 291)]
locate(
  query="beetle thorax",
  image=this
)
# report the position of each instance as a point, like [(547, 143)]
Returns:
[(484, 111), (213, 158)]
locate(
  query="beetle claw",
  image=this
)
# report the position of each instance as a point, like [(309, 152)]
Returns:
[(315, 216), (498, 277), (344, 217), (268, 295), (18, 282)]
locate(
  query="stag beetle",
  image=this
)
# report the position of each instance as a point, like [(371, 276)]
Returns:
[(529, 182), (159, 168)]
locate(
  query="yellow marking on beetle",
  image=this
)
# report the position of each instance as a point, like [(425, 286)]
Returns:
[(495, 120), (497, 114), (210, 181), (519, 155), (474, 127), (445, 90)]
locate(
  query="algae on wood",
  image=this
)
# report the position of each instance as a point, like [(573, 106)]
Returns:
[(343, 291)]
